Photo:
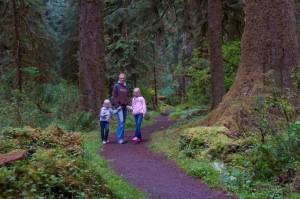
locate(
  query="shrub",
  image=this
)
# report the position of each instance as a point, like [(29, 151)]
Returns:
[(51, 174), (211, 141), (56, 169)]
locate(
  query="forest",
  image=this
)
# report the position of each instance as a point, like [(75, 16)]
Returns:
[(221, 80)]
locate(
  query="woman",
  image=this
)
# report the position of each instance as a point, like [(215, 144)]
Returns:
[(121, 100)]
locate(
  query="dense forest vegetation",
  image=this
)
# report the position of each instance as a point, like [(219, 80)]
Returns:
[(233, 63)]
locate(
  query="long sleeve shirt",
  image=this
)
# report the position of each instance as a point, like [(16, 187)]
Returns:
[(106, 113), (139, 106), (121, 96)]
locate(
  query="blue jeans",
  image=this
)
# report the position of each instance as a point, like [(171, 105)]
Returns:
[(121, 122), (138, 123), (104, 130)]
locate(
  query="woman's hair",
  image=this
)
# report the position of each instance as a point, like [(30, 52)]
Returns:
[(122, 74), (137, 90), (106, 101)]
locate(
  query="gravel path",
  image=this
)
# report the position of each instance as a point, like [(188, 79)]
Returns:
[(154, 174)]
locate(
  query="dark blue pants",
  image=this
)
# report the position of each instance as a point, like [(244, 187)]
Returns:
[(138, 123), (104, 130)]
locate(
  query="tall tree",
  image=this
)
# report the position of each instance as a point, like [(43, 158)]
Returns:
[(215, 50), (270, 45), (91, 47), (27, 53)]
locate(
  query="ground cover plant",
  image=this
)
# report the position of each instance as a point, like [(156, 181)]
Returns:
[(56, 167), (259, 164), (59, 164)]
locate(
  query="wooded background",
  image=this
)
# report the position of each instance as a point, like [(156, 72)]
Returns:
[(60, 59)]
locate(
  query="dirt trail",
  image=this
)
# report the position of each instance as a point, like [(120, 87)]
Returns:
[(152, 173)]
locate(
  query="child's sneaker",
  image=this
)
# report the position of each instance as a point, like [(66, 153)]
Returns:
[(104, 142), (121, 142), (135, 139), (107, 141), (138, 140)]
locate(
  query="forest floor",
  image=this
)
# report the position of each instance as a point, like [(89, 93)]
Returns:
[(153, 173)]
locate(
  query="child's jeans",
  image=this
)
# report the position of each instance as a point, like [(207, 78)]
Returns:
[(104, 130), (138, 123)]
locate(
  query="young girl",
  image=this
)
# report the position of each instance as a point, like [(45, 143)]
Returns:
[(105, 115), (139, 111)]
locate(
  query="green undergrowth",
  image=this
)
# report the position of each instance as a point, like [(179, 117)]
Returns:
[(237, 163), (120, 187), (189, 111), (59, 164), (53, 168)]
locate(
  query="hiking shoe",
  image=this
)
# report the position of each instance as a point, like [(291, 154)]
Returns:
[(135, 139), (121, 142), (104, 142)]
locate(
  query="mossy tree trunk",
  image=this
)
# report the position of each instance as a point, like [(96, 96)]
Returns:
[(270, 47), (215, 50), (92, 63)]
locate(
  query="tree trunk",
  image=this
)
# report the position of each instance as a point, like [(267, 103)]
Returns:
[(92, 64), (269, 48), (215, 50), (18, 61)]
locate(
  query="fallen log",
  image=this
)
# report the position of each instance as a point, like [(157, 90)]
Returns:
[(161, 97), (13, 156)]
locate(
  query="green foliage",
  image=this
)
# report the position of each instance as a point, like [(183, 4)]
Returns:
[(231, 58), (148, 94), (212, 141), (253, 167), (56, 169), (199, 89), (30, 138), (278, 150), (51, 174), (167, 142), (169, 88), (46, 104), (188, 111)]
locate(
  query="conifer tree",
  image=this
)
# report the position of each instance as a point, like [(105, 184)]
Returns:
[(92, 77)]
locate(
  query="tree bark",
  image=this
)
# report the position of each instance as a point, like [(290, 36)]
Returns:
[(18, 61), (92, 63), (215, 51), (270, 48)]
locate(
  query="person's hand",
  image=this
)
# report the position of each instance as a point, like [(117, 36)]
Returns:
[(119, 108), (144, 115), (129, 108)]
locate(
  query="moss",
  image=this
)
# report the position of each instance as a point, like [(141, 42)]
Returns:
[(213, 141), (53, 136), (52, 173)]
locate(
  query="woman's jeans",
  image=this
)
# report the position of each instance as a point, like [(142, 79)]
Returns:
[(121, 122), (138, 123), (104, 130)]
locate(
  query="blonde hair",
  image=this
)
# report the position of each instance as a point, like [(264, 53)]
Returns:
[(106, 101), (137, 90), (122, 74)]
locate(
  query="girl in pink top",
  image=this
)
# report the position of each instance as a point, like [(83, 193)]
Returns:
[(139, 111)]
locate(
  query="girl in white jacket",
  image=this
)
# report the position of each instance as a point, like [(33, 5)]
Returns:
[(105, 115)]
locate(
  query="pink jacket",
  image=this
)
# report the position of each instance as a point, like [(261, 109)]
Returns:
[(139, 106)]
